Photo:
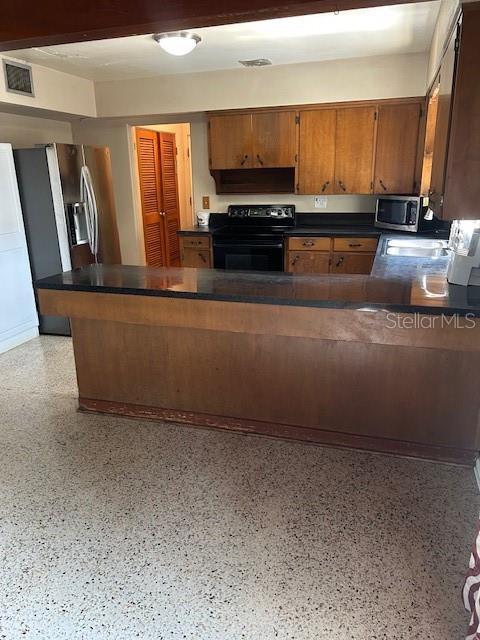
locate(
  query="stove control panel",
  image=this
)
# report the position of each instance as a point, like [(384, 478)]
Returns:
[(266, 211)]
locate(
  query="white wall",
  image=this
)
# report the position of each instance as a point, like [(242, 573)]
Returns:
[(25, 131), (329, 81), (54, 91)]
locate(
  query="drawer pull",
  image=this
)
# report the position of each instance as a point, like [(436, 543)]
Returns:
[(259, 160), (245, 158), (355, 244), (342, 186), (308, 243), (383, 186), (294, 261), (339, 261), (325, 185), (202, 257)]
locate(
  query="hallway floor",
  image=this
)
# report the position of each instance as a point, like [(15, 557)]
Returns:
[(116, 529)]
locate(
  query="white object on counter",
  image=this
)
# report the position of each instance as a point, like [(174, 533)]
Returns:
[(464, 243), (203, 218)]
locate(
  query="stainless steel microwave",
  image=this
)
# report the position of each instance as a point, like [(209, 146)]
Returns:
[(400, 213)]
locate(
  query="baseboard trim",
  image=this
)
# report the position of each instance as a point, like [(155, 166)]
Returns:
[(285, 432), (18, 339)]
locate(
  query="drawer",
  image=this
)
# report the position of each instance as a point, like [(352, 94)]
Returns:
[(307, 243), (355, 244), (197, 242), (308, 261)]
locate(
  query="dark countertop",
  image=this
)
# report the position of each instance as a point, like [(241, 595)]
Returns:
[(341, 230), (396, 284), (303, 230), (196, 230), (309, 224)]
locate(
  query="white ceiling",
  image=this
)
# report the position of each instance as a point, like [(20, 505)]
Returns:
[(406, 28)]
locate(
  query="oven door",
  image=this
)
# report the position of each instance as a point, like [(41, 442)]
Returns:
[(248, 256)]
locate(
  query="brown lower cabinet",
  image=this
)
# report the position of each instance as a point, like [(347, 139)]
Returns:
[(352, 262), (196, 251), (337, 255), (308, 261)]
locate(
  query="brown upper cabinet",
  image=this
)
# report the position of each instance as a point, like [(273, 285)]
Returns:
[(396, 152), (442, 93), (231, 142), (316, 169), (354, 150), (254, 140), (274, 139), (348, 148), (454, 191)]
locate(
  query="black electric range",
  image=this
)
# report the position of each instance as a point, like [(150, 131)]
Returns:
[(253, 238)]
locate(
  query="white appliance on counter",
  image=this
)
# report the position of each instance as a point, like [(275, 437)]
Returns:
[(464, 243)]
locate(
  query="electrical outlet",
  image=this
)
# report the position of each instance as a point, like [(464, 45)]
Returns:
[(206, 202), (320, 202)]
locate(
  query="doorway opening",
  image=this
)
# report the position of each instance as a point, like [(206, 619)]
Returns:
[(163, 153)]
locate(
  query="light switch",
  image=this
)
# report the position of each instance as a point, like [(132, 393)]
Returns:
[(206, 202), (320, 202)]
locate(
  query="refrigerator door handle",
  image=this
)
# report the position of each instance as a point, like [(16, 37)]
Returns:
[(87, 194)]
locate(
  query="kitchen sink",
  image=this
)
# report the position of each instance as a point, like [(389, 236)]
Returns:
[(415, 248)]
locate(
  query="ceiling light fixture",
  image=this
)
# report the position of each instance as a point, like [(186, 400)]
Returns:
[(177, 44)]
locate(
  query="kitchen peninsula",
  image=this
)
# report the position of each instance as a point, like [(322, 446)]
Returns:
[(387, 362)]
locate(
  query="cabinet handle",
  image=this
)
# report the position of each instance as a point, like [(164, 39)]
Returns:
[(339, 262), (260, 160), (294, 261), (342, 186), (325, 185), (308, 243), (202, 257), (245, 158), (383, 186), (358, 244)]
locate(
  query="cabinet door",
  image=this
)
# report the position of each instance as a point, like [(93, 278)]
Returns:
[(352, 262), (355, 137), (171, 207), (442, 128), (230, 140), (396, 152), (198, 258), (151, 197), (308, 262), (316, 156), (274, 139)]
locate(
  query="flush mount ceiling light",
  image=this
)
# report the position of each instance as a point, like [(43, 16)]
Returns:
[(177, 44)]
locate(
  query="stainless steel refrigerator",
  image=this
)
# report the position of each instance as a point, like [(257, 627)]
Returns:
[(69, 212)]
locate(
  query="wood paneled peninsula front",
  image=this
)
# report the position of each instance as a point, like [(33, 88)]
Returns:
[(388, 362)]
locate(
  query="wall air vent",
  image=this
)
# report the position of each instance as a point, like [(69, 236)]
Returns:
[(18, 78), (258, 62)]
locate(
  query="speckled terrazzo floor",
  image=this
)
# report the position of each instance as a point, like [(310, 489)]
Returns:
[(117, 529)]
